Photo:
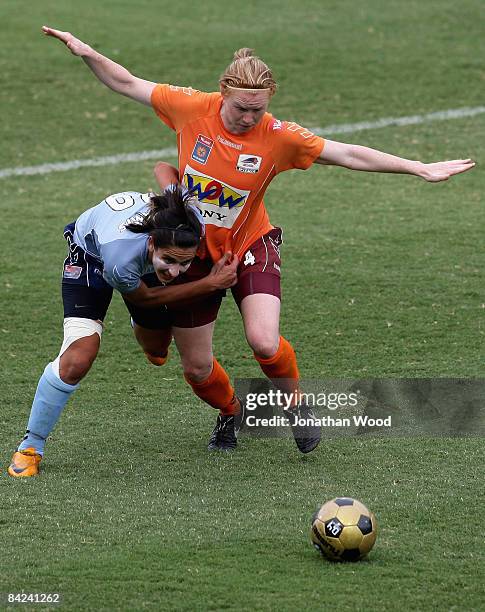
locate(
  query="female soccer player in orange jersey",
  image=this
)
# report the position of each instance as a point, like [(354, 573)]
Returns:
[(230, 148)]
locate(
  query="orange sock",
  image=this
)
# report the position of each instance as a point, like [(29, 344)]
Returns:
[(217, 390), (155, 359), (282, 365)]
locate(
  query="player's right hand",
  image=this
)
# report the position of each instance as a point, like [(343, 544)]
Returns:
[(224, 273), (75, 46)]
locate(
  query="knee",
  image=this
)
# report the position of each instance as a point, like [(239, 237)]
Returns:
[(79, 348), (73, 368), (71, 372), (197, 372), (265, 345)]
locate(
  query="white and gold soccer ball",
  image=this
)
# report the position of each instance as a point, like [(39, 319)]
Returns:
[(344, 529)]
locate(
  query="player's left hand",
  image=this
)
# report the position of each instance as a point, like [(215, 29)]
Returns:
[(441, 171), (223, 274), (75, 46)]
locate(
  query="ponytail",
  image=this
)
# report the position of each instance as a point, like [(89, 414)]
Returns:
[(173, 220)]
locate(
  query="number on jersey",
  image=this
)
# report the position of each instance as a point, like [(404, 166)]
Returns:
[(249, 260)]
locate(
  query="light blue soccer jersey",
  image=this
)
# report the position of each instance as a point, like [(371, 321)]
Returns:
[(101, 232)]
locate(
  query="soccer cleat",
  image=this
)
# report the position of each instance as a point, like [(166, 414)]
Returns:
[(224, 434), (239, 416), (307, 436), (25, 463)]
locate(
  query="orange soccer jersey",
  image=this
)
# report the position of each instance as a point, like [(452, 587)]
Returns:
[(229, 173)]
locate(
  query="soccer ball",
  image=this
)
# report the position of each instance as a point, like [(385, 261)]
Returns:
[(343, 529)]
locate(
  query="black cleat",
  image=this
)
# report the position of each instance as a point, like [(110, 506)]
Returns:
[(239, 417), (307, 436), (224, 434)]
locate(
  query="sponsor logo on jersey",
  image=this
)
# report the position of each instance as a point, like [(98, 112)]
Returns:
[(304, 133), (137, 218), (228, 143), (186, 90), (249, 164), (72, 271), (277, 124), (219, 203), (202, 149)]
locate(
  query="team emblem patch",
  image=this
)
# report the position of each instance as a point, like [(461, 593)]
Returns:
[(249, 164), (72, 271), (202, 149)]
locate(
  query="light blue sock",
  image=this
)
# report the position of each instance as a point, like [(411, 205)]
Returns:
[(49, 400)]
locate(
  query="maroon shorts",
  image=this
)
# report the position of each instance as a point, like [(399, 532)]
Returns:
[(259, 270), (190, 313)]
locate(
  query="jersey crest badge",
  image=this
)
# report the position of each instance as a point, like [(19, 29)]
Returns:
[(249, 164), (202, 149), (71, 271)]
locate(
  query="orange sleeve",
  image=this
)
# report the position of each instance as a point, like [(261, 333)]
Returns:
[(294, 146), (176, 106)]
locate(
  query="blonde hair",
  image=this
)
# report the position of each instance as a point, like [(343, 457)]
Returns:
[(247, 71)]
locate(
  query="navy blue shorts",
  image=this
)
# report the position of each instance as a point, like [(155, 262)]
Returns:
[(86, 294)]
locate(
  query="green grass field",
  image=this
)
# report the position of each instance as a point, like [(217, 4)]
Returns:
[(383, 276)]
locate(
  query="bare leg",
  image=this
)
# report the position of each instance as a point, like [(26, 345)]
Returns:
[(277, 360), (59, 380), (154, 342), (195, 347), (77, 360), (261, 318), (210, 382)]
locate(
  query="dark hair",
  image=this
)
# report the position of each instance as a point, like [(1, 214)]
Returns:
[(171, 221)]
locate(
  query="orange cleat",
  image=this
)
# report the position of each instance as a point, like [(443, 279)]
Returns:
[(25, 463)]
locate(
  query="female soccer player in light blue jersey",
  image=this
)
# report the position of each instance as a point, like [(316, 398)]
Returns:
[(137, 244)]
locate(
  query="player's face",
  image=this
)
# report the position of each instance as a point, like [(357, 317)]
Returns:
[(242, 110), (169, 262)]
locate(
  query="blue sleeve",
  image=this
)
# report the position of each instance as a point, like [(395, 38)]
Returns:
[(124, 265)]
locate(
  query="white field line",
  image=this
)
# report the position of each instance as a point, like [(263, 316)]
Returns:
[(330, 130), (108, 160)]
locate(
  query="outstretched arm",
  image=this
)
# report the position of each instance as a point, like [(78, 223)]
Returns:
[(222, 276), (356, 157), (108, 72)]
